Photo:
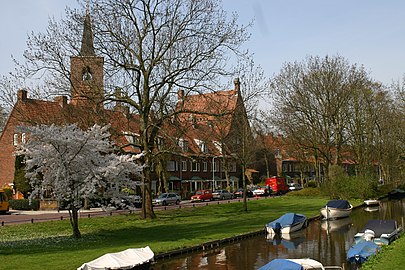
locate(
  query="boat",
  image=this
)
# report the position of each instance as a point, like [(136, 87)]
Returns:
[(371, 202), (396, 194), (381, 232), (360, 252), (336, 209), (296, 264), (287, 223), (132, 258)]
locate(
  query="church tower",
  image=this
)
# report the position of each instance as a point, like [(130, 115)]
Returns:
[(86, 71)]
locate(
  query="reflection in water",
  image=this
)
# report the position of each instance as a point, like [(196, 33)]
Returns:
[(324, 242)]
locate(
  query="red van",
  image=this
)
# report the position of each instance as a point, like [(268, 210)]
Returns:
[(277, 184)]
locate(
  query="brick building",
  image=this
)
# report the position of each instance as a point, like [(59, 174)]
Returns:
[(201, 140)]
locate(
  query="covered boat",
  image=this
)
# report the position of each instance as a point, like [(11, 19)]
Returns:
[(287, 223), (336, 209), (360, 252), (296, 264), (396, 194), (381, 232), (132, 258)]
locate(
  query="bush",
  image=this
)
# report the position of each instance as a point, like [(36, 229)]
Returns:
[(9, 192), (311, 184), (342, 186), (24, 204)]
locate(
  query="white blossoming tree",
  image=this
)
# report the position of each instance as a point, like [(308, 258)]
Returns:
[(75, 165)]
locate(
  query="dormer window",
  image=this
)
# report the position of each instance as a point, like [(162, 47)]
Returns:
[(202, 145), (183, 145), (23, 138)]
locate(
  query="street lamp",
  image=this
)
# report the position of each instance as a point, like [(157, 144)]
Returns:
[(213, 172)]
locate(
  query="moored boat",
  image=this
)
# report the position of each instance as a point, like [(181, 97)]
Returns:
[(296, 264), (360, 252), (132, 258), (287, 223), (372, 202), (396, 194), (381, 232), (336, 209)]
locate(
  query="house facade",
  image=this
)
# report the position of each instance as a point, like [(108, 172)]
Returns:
[(200, 149)]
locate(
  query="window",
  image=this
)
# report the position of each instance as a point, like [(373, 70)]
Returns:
[(205, 166), (202, 145), (159, 143), (184, 166), (183, 145), (195, 166), (218, 145), (15, 139), (171, 166), (23, 139)]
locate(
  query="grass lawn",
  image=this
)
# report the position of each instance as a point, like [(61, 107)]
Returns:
[(392, 257), (49, 245)]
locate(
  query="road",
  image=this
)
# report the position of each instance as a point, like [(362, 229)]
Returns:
[(19, 217)]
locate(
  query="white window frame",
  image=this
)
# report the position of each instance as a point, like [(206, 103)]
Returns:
[(15, 139), (195, 166), (205, 166), (171, 166), (183, 166)]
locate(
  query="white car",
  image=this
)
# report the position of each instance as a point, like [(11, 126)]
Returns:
[(294, 186), (222, 194), (261, 191), (167, 198)]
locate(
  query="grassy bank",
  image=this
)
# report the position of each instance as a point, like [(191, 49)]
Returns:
[(391, 257), (48, 245)]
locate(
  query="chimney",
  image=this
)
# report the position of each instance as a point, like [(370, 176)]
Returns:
[(236, 82), (22, 95), (180, 95), (62, 100)]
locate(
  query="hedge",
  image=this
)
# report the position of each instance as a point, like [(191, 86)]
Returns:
[(24, 204)]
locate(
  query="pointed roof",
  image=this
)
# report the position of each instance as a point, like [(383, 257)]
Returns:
[(87, 48)]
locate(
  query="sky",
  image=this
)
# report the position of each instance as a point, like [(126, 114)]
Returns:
[(365, 32)]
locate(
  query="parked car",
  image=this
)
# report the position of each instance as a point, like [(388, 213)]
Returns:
[(132, 201), (167, 198), (202, 195), (261, 191), (294, 186), (222, 194), (239, 193)]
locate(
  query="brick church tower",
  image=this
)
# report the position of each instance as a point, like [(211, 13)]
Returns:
[(86, 72)]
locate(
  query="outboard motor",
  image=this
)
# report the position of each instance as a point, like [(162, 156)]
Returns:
[(369, 235), (277, 227)]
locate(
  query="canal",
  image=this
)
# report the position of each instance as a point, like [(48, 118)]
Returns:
[(323, 241)]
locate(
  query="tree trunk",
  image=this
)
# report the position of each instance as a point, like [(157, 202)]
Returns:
[(74, 221), (245, 208), (266, 161), (147, 207)]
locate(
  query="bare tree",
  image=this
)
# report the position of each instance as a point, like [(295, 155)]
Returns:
[(151, 49), (312, 100)]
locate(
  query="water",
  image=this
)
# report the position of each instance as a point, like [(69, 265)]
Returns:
[(323, 241)]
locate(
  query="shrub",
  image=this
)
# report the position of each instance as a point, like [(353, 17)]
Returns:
[(9, 192), (24, 204), (311, 184)]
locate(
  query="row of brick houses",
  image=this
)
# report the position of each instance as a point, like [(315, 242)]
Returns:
[(201, 149)]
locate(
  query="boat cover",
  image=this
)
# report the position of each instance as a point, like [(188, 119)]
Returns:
[(360, 252), (340, 204), (286, 220), (281, 264), (379, 227), (126, 259)]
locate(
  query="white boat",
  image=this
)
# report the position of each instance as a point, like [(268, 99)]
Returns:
[(372, 202), (381, 232), (296, 264), (132, 258), (287, 223), (336, 209)]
